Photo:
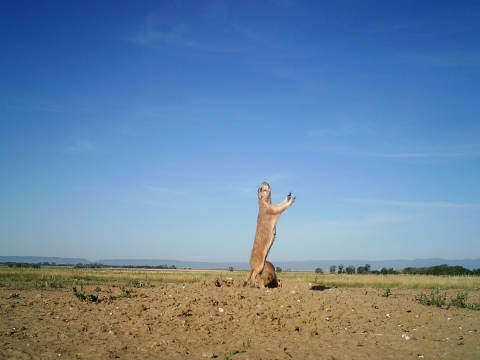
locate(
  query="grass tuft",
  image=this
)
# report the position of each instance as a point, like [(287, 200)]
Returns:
[(387, 292), (80, 295), (235, 352)]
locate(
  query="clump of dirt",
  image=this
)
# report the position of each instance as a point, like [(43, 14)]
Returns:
[(220, 318)]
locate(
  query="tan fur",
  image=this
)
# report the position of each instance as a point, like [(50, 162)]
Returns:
[(269, 276), (268, 215)]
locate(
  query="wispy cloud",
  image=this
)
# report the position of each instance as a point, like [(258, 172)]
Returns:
[(450, 60), (165, 190), (368, 221), (154, 34), (214, 28), (334, 231), (414, 204), (32, 104), (472, 151), (345, 128), (98, 189), (82, 146), (400, 151), (151, 36)]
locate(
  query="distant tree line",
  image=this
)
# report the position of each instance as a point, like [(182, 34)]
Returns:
[(95, 265), (82, 266), (21, 265), (437, 270), (443, 269)]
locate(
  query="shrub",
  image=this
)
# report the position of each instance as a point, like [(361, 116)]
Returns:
[(80, 295), (434, 299)]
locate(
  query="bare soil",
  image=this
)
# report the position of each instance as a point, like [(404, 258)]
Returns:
[(215, 318)]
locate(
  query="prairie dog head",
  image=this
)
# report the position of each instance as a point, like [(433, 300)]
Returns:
[(264, 193), (269, 276)]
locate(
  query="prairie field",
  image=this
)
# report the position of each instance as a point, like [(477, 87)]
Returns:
[(64, 312), (56, 277)]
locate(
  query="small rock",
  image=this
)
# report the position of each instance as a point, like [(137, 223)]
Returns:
[(209, 355), (39, 296)]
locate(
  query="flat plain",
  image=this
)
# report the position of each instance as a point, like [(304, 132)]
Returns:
[(179, 314)]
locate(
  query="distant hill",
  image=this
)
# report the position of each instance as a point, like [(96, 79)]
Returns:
[(178, 263), (292, 265), (41, 259)]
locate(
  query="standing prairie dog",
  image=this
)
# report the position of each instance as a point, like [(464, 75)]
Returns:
[(268, 215), (269, 276)]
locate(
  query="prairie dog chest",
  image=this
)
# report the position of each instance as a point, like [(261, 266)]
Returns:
[(266, 226)]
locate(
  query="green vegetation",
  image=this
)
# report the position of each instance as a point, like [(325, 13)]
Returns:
[(350, 270), (364, 269), (83, 266), (387, 292), (80, 295), (439, 300), (385, 271), (442, 270), (126, 292), (435, 299), (139, 283), (235, 352), (24, 265), (438, 270)]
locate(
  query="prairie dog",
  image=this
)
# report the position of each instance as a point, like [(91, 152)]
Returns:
[(269, 276), (268, 215)]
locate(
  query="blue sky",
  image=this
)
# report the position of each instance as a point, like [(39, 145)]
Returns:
[(135, 129)]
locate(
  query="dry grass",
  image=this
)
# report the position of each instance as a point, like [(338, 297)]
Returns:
[(57, 277), (389, 281)]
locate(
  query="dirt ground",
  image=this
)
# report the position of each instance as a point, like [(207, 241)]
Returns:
[(215, 318)]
